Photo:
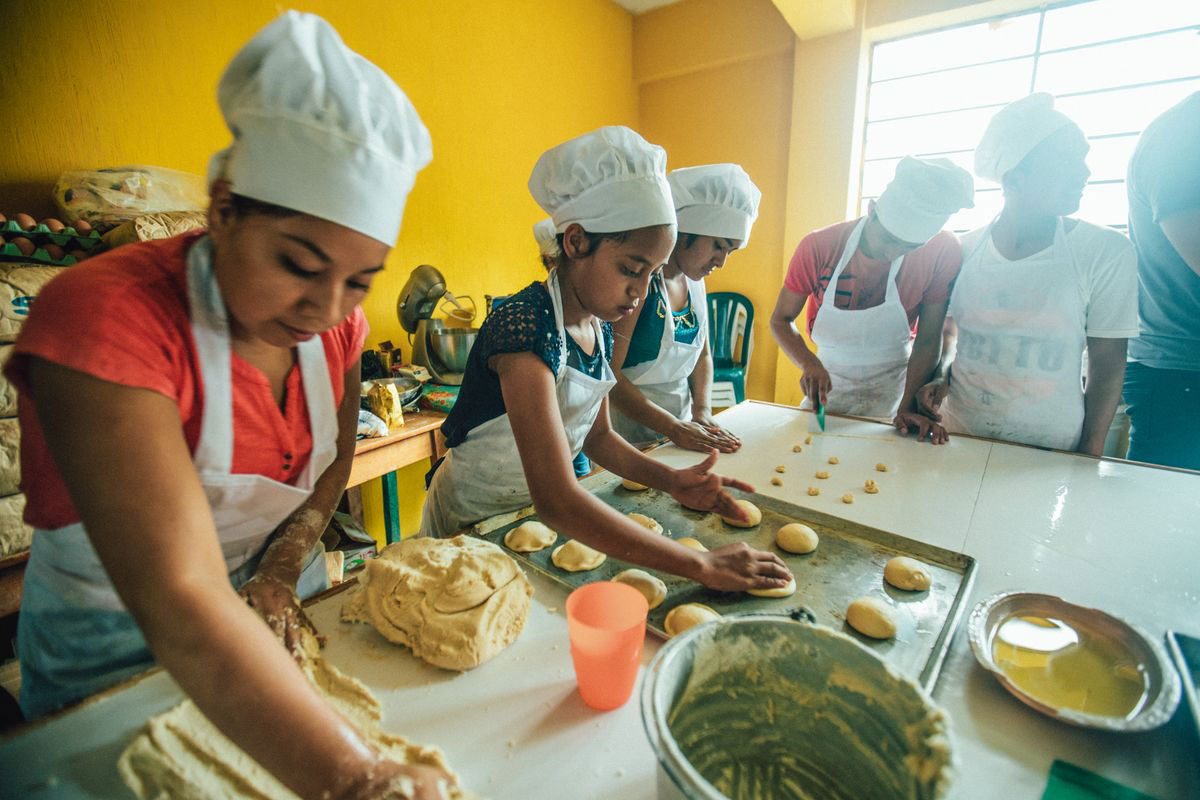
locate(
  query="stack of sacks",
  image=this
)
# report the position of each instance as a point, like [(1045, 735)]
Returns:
[(20, 284)]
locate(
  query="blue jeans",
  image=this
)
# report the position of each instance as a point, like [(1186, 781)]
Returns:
[(1164, 415)]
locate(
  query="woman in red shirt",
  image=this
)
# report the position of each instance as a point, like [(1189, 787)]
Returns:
[(188, 412)]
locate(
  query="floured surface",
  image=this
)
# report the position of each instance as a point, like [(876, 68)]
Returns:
[(455, 602)]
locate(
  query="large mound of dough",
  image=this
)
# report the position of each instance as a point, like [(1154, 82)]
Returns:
[(651, 586), (456, 602), (180, 754), (529, 537), (15, 535), (576, 557), (649, 523), (752, 511)]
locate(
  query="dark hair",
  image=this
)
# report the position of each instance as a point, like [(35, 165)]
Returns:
[(246, 206), (688, 239), (560, 258)]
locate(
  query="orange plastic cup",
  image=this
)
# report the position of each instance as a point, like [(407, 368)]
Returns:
[(606, 623)]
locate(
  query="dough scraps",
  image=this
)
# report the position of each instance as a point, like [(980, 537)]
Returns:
[(633, 486), (651, 587), (781, 591), (871, 487), (796, 537), (529, 537), (797, 448), (833, 459), (649, 523), (813, 491), (907, 574), (180, 754), (776, 482), (576, 557), (695, 544), (822, 474), (781, 468), (872, 617), (751, 510), (881, 467), (848, 498), (688, 615), (455, 602)]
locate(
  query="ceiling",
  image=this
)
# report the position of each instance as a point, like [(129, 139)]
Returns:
[(639, 6)]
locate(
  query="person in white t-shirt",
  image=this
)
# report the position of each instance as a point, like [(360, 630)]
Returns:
[(1036, 292)]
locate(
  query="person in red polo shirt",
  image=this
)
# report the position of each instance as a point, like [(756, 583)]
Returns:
[(188, 411)]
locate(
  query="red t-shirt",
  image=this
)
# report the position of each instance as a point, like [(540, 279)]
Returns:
[(926, 274), (123, 317)]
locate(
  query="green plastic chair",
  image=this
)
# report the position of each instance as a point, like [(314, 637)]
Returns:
[(731, 339)]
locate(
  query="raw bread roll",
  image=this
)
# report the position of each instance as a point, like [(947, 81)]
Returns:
[(8, 392), (907, 573), (529, 537), (576, 557), (694, 543), (180, 754), (455, 602), (688, 615), (15, 535), (19, 286), (782, 591), (652, 587), (872, 617), (633, 486), (10, 456), (649, 523), (796, 537), (751, 510)]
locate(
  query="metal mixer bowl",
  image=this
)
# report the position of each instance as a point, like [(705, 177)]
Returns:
[(771, 708), (451, 346)]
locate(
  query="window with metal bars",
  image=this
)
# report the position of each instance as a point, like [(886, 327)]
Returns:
[(1113, 66)]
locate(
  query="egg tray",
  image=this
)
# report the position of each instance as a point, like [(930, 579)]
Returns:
[(41, 235), (846, 565)]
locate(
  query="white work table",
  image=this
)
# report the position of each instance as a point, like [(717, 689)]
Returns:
[(1117, 536)]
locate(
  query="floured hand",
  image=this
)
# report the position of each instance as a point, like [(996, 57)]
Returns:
[(278, 605)]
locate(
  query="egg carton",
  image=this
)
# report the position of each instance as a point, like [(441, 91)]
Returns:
[(68, 239)]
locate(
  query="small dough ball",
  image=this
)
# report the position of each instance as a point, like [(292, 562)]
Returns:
[(907, 574), (813, 491), (576, 557), (782, 591), (822, 474), (652, 587), (751, 510), (847, 498), (529, 537), (833, 459), (871, 487), (695, 544), (776, 482), (688, 615), (633, 486), (808, 439), (796, 537), (797, 448), (881, 468), (781, 468), (872, 617), (649, 523)]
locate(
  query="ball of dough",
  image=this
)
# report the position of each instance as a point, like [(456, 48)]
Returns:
[(648, 523), (813, 491), (881, 467), (808, 439), (751, 510), (833, 459), (651, 587), (822, 474), (797, 448), (782, 591), (871, 487), (908, 574), (872, 617), (576, 557), (529, 537), (796, 537), (633, 486), (695, 544), (847, 498), (776, 482), (688, 615), (781, 468)]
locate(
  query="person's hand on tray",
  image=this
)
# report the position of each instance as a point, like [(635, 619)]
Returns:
[(695, 436), (278, 605), (924, 427), (929, 398), (737, 567), (699, 488), (728, 442)]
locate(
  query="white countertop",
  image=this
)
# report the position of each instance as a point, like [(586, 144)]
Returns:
[(1121, 537)]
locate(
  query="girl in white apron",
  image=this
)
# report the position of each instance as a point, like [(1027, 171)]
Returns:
[(665, 391), (537, 381), (171, 392)]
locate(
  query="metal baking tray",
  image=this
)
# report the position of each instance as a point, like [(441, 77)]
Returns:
[(1185, 652), (848, 564)]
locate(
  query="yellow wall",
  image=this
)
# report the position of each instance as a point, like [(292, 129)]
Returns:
[(496, 84), (714, 85)]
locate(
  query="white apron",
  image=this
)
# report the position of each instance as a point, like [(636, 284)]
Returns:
[(664, 381), (864, 351), (1021, 338), (483, 476), (76, 636)]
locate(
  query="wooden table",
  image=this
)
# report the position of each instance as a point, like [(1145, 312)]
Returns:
[(420, 438)]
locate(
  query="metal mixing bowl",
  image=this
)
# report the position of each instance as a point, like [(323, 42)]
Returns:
[(452, 346)]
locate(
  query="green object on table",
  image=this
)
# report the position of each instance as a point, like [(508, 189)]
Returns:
[(391, 508), (438, 397), (1069, 782), (821, 414)]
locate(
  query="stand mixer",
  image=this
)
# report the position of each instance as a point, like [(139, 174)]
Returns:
[(440, 349)]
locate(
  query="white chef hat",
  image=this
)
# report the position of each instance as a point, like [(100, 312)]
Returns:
[(1015, 130), (715, 200), (547, 238), (608, 180), (319, 129), (922, 196)]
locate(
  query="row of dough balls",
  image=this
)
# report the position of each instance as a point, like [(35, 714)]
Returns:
[(574, 556), (871, 616)]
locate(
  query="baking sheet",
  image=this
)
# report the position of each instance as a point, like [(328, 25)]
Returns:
[(848, 564)]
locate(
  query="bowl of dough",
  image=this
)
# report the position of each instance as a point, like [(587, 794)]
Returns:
[(769, 707)]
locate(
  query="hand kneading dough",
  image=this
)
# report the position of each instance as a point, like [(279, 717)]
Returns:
[(695, 544), (633, 486), (782, 591), (180, 754), (751, 510), (529, 537), (688, 615), (646, 522), (872, 617), (654, 590), (796, 537), (576, 557), (907, 573), (455, 602)]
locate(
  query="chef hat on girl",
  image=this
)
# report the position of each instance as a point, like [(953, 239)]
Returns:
[(607, 181), (715, 200), (922, 196), (547, 237), (1013, 133), (319, 129)]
